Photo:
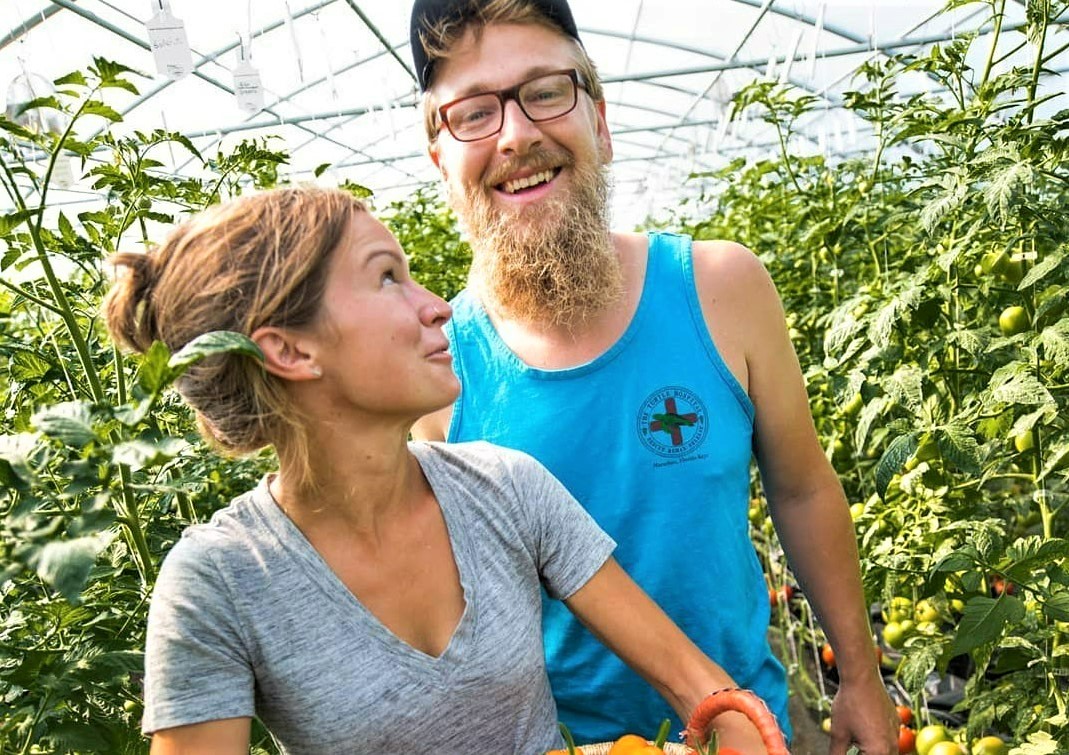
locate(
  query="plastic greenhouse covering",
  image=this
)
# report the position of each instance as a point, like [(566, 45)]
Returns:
[(331, 81)]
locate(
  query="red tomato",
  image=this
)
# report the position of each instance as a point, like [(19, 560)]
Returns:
[(827, 655), (907, 740), (905, 714)]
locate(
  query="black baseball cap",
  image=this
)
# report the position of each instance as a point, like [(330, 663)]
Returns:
[(427, 13)]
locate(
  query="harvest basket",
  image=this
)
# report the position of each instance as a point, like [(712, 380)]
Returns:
[(602, 748), (721, 701)]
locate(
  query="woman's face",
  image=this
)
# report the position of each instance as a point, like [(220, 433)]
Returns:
[(378, 338)]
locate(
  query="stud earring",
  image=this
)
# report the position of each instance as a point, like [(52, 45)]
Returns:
[(317, 371)]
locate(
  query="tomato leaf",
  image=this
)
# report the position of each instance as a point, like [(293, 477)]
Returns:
[(958, 560), (1015, 384), (1055, 342), (69, 423), (958, 447), (983, 621), (1047, 265), (918, 663), (1056, 607), (212, 344), (896, 455), (65, 564)]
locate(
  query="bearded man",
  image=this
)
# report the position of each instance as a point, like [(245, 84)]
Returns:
[(645, 371)]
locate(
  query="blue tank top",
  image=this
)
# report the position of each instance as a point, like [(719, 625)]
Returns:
[(654, 438)]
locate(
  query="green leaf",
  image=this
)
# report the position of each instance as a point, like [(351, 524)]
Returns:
[(1048, 264), (11, 221), (959, 560), (70, 423), (1055, 341), (139, 454), (46, 103), (96, 107), (1021, 388), (958, 447), (15, 129), (154, 373), (320, 169), (74, 77), (15, 469), (918, 664), (65, 564), (1056, 607), (357, 190), (983, 621), (211, 344), (893, 459)]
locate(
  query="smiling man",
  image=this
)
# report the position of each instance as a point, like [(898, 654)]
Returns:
[(644, 370)]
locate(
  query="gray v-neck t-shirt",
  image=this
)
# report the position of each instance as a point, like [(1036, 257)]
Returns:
[(248, 620)]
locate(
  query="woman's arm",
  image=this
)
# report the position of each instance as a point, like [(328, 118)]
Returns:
[(229, 736), (617, 611)]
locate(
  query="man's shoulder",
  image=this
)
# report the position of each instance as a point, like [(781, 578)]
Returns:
[(720, 262)]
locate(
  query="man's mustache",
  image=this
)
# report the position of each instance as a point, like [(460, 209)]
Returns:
[(536, 160)]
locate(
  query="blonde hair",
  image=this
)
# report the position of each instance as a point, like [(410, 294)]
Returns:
[(439, 39), (260, 260)]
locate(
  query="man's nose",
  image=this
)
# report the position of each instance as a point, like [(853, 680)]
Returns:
[(518, 132)]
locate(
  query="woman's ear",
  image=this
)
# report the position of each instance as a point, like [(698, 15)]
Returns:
[(286, 355)]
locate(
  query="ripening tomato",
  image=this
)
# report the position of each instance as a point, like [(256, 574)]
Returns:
[(907, 739), (905, 714), (990, 745), (827, 655), (930, 736), (631, 744)]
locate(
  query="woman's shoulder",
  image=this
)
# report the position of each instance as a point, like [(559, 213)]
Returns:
[(225, 537), (478, 458)]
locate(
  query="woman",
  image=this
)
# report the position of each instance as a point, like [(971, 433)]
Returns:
[(373, 595)]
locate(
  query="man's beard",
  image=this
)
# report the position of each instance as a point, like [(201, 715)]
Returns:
[(550, 263)]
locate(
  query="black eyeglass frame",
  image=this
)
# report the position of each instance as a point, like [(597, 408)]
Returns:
[(513, 93)]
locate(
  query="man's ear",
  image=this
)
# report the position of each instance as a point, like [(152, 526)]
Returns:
[(603, 134), (436, 157), (286, 355)]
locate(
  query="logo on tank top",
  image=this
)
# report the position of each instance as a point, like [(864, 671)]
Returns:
[(673, 422)]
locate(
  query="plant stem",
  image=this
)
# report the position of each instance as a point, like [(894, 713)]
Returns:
[(1000, 11)]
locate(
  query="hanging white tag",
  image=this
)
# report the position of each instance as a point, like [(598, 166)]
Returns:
[(247, 87), (62, 172), (170, 46)]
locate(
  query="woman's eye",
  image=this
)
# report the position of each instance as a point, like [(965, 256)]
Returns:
[(389, 277)]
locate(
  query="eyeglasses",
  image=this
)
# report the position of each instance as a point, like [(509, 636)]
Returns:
[(542, 98)]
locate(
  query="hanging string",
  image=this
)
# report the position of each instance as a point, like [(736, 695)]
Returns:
[(818, 31), (293, 41), (326, 52)]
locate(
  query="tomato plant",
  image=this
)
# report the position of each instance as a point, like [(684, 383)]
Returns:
[(929, 278)]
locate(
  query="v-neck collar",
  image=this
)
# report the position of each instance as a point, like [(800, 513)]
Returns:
[(347, 608)]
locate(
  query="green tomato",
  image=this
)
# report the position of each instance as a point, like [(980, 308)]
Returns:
[(854, 405), (1025, 441), (929, 736), (893, 634), (990, 746), (924, 611), (1014, 320), (857, 510), (946, 748), (928, 628), (899, 609)]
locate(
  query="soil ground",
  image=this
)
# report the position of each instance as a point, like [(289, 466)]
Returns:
[(808, 737)]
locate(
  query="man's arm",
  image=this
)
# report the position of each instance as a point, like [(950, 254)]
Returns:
[(229, 736), (807, 503), (617, 611), (434, 426)]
